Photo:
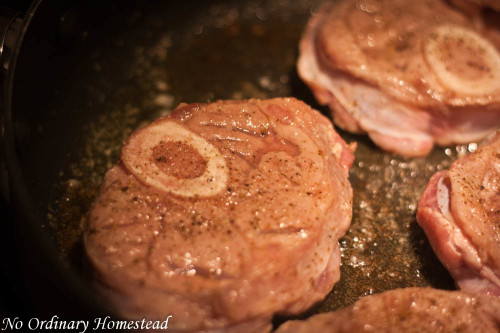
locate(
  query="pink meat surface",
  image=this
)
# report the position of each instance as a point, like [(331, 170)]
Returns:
[(408, 73), (460, 213), (408, 310), (222, 215)]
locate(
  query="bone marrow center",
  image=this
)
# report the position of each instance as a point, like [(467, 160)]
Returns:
[(463, 60), (179, 159), (463, 57), (171, 158)]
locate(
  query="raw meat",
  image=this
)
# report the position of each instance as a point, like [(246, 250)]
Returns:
[(408, 310), (408, 73), (460, 213), (222, 215)]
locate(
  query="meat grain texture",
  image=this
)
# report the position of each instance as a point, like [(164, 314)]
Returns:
[(410, 74), (460, 214), (222, 215), (408, 310)]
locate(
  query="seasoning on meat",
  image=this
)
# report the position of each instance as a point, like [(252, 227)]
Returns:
[(251, 232), (460, 214), (408, 310), (410, 74)]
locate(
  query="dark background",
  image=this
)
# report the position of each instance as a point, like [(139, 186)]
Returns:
[(13, 299)]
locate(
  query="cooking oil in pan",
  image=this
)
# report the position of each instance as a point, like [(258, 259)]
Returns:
[(225, 53)]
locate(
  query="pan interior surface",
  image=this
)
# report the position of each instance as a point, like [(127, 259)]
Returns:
[(123, 66)]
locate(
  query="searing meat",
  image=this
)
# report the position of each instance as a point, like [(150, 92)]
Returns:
[(407, 73), (408, 310), (460, 213), (223, 214)]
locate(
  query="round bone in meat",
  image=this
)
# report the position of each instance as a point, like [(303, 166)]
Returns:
[(138, 157), (449, 50), (410, 74), (222, 215)]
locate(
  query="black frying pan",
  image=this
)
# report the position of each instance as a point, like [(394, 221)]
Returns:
[(86, 74)]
